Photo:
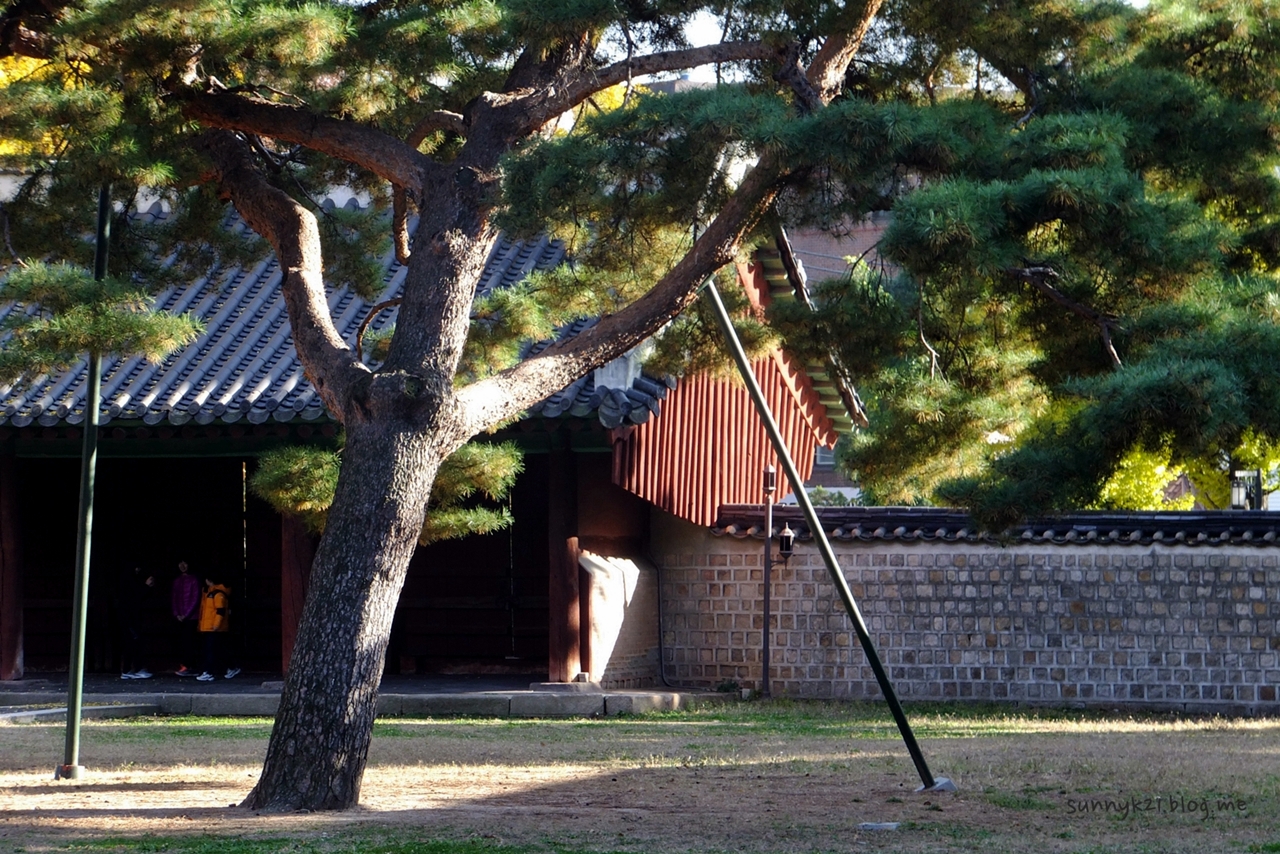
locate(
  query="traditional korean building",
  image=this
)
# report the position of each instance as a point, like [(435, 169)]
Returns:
[(180, 439)]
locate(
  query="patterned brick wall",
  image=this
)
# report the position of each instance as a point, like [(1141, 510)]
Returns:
[(1180, 627)]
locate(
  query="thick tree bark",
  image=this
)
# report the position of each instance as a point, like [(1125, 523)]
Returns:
[(319, 745)]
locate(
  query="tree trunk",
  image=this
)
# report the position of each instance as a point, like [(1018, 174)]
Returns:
[(320, 743)]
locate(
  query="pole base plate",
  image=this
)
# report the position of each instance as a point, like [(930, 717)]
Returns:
[(68, 772), (940, 784)]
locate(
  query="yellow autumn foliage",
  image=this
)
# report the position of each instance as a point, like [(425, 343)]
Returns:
[(14, 68), (1139, 483)]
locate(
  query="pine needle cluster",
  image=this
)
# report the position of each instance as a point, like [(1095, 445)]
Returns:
[(300, 481), (62, 313), (1080, 293)]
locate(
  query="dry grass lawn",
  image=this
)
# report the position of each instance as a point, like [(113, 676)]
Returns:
[(781, 776)]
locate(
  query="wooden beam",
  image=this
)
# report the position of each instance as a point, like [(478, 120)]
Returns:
[(297, 552), (11, 604)]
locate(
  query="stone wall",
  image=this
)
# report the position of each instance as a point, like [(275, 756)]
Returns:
[(1179, 627)]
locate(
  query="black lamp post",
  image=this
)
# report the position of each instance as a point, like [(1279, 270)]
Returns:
[(786, 545), (786, 542), (770, 485)]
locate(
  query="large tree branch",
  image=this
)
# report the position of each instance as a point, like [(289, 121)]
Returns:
[(400, 237), (791, 72), (1039, 276), (827, 71), (23, 24), (503, 396), (435, 121), (587, 83), (368, 147), (292, 231)]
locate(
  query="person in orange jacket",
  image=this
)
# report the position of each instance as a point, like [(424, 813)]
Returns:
[(215, 622)]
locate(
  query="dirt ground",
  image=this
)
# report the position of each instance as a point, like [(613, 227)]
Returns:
[(686, 783)]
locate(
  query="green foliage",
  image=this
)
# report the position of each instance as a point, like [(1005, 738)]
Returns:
[(931, 418), (693, 342), (64, 314), (300, 480), (822, 497), (1141, 176)]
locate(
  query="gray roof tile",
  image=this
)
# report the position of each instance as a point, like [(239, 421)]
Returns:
[(946, 525), (245, 366)]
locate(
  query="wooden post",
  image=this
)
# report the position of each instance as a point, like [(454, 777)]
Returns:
[(297, 552), (11, 604), (584, 621), (564, 660)]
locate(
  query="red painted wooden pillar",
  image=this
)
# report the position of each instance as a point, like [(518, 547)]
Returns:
[(11, 605), (564, 641), (297, 551)]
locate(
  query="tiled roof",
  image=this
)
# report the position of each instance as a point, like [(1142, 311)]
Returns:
[(245, 366), (941, 525), (834, 390)]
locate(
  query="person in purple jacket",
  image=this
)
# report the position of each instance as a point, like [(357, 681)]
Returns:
[(184, 599)]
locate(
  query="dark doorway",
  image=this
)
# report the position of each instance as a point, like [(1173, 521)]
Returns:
[(479, 604), (148, 512)]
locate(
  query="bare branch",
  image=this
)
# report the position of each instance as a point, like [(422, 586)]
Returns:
[(400, 224), (292, 231), (434, 121), (1021, 77), (379, 152), (368, 318), (631, 55), (933, 354), (587, 83), (1039, 276), (515, 389), (8, 243), (826, 72)]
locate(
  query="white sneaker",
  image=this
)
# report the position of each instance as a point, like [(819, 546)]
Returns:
[(144, 673), (129, 674), (232, 673), (205, 677)]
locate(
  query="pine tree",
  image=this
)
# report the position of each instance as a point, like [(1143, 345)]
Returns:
[(1086, 257), (1067, 180)]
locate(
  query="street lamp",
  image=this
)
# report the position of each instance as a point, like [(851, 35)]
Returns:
[(786, 545), (1246, 490), (786, 542), (770, 485)]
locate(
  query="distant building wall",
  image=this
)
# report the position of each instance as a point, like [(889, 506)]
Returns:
[(1178, 627)]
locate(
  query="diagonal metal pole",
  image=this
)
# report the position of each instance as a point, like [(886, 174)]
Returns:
[(820, 538), (71, 769)]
